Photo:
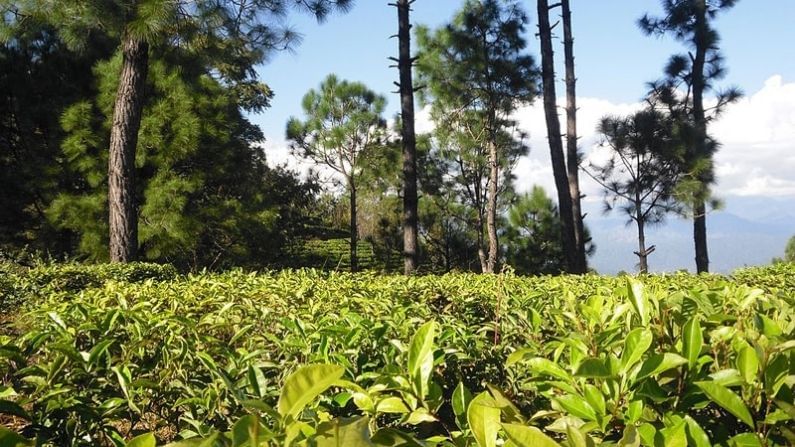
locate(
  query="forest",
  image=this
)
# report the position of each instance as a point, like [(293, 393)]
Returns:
[(164, 282)]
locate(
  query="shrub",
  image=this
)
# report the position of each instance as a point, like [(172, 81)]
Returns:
[(585, 360)]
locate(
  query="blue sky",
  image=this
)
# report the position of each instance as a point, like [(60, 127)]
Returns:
[(614, 60)]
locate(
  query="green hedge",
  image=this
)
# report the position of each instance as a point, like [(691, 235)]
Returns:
[(98, 361), (20, 283)]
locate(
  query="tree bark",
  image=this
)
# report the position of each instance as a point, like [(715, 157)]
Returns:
[(643, 260), (643, 257), (491, 208), (123, 217), (572, 156), (354, 227), (554, 135), (700, 236), (482, 256), (699, 118), (410, 213)]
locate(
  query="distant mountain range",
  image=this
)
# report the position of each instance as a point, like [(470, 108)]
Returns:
[(734, 241)]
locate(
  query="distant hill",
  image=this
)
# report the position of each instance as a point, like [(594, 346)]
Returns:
[(734, 241)]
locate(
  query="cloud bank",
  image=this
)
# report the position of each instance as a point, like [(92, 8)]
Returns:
[(757, 157), (755, 169)]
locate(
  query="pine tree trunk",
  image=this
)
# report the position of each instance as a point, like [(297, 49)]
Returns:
[(554, 135), (700, 236), (123, 217), (572, 157), (643, 260), (354, 227), (410, 213), (482, 256), (643, 257), (491, 208), (699, 118)]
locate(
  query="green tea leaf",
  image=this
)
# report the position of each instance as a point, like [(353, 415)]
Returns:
[(420, 361), (728, 400), (748, 364), (484, 420), (692, 339), (660, 363), (593, 368), (353, 432), (419, 416), (509, 411), (636, 344), (776, 373), (391, 405), (634, 411), (647, 433), (10, 439), (461, 398), (99, 349), (674, 436), (787, 408), (523, 436), (539, 365), (630, 438), (246, 430), (145, 440), (595, 399), (745, 440), (304, 385), (696, 436), (577, 406), (577, 438), (767, 326), (638, 299)]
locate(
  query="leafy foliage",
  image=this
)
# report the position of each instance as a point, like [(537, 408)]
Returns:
[(343, 128), (193, 137), (459, 359), (478, 73), (39, 78), (789, 252), (532, 236)]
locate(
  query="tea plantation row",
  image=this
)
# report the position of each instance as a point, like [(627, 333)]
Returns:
[(139, 355)]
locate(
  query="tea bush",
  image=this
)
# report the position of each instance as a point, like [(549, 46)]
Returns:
[(106, 355)]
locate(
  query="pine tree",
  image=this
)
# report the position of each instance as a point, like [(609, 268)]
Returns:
[(572, 153), (695, 73), (532, 236), (405, 62), (207, 197), (554, 136), (642, 172), (343, 124), (232, 36), (39, 79), (477, 74)]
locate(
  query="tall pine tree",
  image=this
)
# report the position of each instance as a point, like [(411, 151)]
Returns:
[(343, 125), (478, 73), (207, 197), (688, 78), (410, 202), (231, 36)]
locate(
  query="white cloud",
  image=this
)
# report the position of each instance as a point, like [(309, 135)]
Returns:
[(278, 153), (590, 111), (758, 137), (757, 157)]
